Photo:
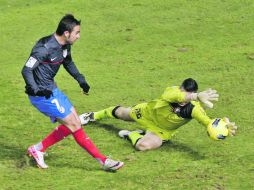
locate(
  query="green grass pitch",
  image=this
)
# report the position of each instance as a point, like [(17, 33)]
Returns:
[(129, 52)]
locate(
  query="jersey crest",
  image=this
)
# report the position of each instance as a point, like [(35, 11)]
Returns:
[(64, 53)]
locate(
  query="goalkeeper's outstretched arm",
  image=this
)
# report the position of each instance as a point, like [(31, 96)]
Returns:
[(177, 94), (199, 114), (206, 97)]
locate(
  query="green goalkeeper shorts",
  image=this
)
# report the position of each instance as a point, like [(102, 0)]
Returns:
[(139, 114)]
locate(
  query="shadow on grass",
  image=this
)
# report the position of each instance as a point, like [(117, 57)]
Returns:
[(108, 127), (17, 157), (167, 146), (11, 152), (177, 146)]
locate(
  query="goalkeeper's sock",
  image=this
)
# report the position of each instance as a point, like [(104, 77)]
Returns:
[(134, 137), (106, 113), (55, 136), (84, 141)]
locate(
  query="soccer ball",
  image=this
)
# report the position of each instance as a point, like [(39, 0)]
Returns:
[(217, 129)]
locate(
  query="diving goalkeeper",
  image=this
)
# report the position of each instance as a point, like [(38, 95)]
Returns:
[(160, 118)]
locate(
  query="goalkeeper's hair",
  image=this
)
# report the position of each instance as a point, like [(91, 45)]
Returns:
[(67, 23), (190, 85)]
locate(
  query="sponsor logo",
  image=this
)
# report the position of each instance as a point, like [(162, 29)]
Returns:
[(52, 59)]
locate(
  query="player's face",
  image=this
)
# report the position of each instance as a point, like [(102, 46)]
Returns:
[(73, 36)]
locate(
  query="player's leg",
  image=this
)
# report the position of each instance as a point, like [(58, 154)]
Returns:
[(154, 135), (80, 136), (58, 106), (148, 142), (117, 112), (73, 123), (58, 134), (52, 108), (142, 142)]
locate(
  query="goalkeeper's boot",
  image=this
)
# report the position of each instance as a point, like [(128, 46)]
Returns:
[(112, 165), (125, 133), (38, 156), (86, 118)]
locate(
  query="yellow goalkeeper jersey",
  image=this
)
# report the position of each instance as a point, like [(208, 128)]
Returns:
[(164, 112)]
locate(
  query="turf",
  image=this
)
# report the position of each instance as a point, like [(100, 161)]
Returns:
[(129, 52)]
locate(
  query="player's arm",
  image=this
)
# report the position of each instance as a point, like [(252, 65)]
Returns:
[(205, 97), (74, 72), (199, 114), (38, 54), (174, 94)]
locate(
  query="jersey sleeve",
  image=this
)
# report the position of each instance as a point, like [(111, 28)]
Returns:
[(199, 114), (173, 95), (38, 55), (71, 68)]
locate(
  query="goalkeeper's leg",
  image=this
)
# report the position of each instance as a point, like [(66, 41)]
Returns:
[(148, 142), (117, 112), (141, 142)]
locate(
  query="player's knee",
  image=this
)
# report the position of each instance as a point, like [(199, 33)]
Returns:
[(74, 126), (147, 145), (118, 111), (143, 146), (122, 113)]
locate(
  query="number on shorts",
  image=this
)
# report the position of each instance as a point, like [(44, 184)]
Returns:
[(60, 108), (138, 113)]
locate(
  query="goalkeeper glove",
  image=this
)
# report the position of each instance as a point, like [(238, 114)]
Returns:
[(206, 97), (231, 126)]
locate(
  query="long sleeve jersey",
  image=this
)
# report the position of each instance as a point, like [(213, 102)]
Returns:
[(166, 112), (44, 62)]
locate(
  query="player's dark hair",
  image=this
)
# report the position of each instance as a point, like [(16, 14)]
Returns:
[(190, 85), (67, 23)]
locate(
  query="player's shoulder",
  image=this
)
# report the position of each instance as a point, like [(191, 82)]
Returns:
[(44, 40), (40, 49), (172, 88), (49, 43), (42, 44)]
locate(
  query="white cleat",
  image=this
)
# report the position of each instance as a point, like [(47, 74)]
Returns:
[(38, 156), (86, 118), (112, 165), (125, 133)]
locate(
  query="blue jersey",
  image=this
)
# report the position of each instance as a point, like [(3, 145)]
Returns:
[(44, 62)]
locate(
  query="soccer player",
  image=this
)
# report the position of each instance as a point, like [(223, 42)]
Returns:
[(160, 118), (48, 54)]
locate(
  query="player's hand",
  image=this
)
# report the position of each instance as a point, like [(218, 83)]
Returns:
[(85, 88), (45, 92), (206, 97), (30, 92), (231, 126)]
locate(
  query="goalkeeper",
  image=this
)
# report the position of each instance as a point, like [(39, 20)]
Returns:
[(160, 118)]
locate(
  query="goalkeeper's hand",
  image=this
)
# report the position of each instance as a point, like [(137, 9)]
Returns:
[(206, 97), (231, 126)]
